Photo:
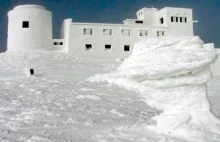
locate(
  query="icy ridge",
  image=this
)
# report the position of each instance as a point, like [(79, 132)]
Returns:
[(171, 74)]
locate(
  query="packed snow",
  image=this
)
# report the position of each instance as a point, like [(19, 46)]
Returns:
[(171, 73), (131, 100)]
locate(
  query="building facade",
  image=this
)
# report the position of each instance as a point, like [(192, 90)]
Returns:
[(33, 25)]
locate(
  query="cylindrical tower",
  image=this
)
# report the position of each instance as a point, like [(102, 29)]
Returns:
[(29, 28)]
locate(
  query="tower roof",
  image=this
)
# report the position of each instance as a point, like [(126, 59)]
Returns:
[(29, 6)]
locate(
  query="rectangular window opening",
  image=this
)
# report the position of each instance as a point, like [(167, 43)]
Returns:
[(107, 47), (143, 33), (177, 18), (172, 19), (58, 43), (181, 19), (88, 46), (161, 21), (139, 22), (87, 31), (126, 47), (107, 31), (185, 20), (125, 32), (158, 33), (25, 24)]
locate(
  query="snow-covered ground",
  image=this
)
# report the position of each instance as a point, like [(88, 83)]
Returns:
[(59, 103)]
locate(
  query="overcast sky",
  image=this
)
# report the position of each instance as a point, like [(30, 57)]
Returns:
[(207, 12)]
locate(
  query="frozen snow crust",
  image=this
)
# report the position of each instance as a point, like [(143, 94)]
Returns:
[(171, 74), (29, 6)]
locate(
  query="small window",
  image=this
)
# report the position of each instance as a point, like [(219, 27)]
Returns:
[(139, 22), (181, 19), (25, 24), (107, 47), (177, 18), (88, 46), (143, 33), (185, 20), (125, 32), (87, 31), (58, 43), (172, 19), (161, 21), (126, 47), (107, 31), (160, 33)]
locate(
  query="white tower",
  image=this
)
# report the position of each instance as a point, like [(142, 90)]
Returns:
[(29, 28)]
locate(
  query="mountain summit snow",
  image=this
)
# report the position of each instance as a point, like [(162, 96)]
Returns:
[(171, 74)]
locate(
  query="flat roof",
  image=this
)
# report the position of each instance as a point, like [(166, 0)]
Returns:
[(122, 25)]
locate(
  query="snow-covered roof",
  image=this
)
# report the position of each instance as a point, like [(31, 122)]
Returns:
[(29, 6)]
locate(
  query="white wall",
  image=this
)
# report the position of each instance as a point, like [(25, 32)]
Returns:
[(59, 46), (37, 36), (177, 28), (148, 15), (216, 66), (98, 40)]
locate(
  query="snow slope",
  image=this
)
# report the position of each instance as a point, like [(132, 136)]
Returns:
[(58, 104), (171, 73)]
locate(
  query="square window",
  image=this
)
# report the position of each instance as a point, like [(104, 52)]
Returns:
[(61, 43), (88, 46), (143, 33), (107, 47), (87, 31), (160, 33), (126, 47), (55, 43), (107, 31), (25, 24), (125, 32)]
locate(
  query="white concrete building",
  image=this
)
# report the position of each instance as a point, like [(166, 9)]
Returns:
[(30, 28)]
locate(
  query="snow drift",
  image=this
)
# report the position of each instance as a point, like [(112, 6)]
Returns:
[(171, 74)]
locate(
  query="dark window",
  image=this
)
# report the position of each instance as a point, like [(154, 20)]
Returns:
[(139, 22), (161, 20), (107, 47), (177, 19), (158, 33), (126, 48), (32, 71), (172, 19), (88, 46), (185, 20), (58, 43), (181, 19), (25, 24)]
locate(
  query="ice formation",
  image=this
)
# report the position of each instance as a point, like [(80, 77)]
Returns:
[(171, 74)]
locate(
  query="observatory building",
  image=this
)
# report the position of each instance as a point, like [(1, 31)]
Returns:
[(30, 28)]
